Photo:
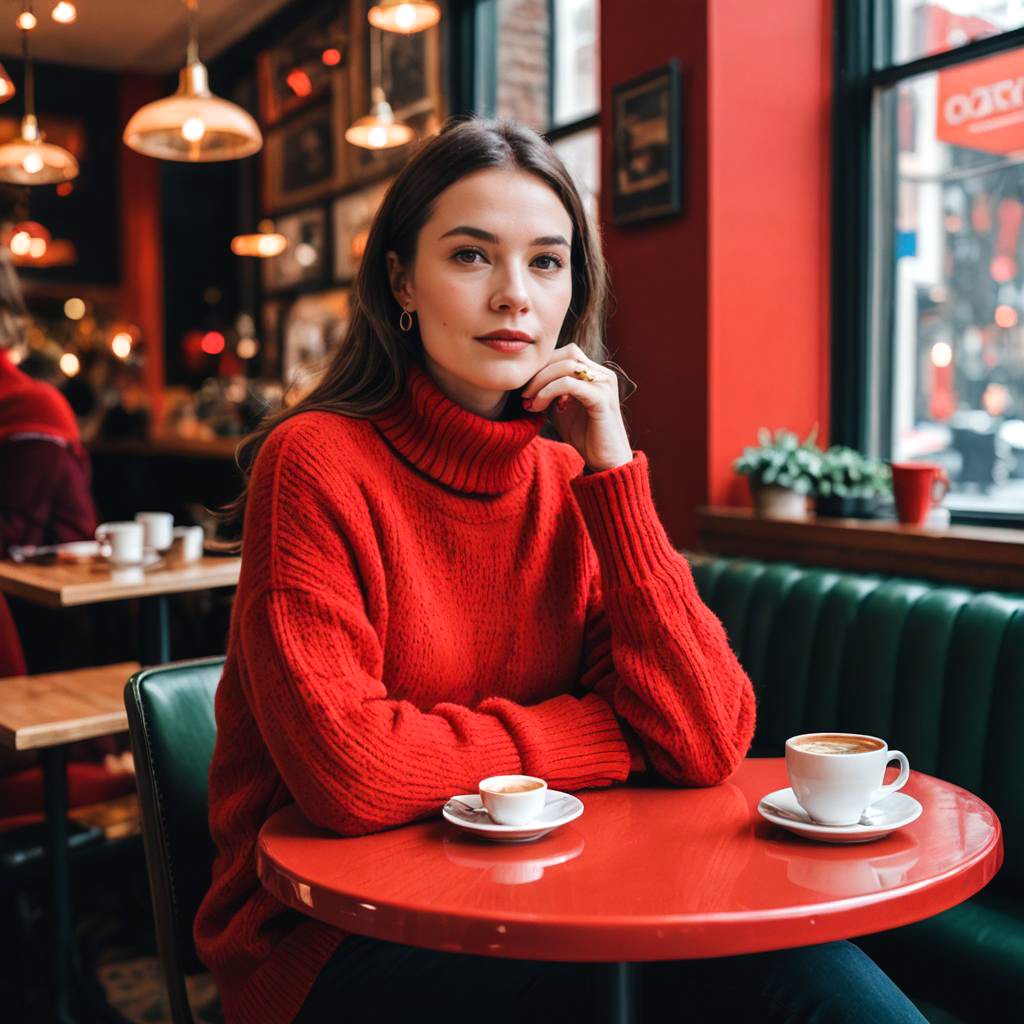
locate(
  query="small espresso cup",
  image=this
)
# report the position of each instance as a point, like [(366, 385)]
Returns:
[(837, 776), (186, 545), (916, 488), (158, 527), (121, 543), (513, 799)]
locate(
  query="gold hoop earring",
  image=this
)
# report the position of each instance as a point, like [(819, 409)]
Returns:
[(405, 320)]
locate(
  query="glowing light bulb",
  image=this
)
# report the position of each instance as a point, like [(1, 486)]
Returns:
[(1006, 316), (305, 254), (331, 56), (69, 364), (193, 129), (405, 17), (26, 21), (377, 136), (121, 344), (74, 309), (32, 163), (64, 12), (267, 246), (247, 348), (212, 343), (21, 242), (942, 353), (37, 248), (4, 87)]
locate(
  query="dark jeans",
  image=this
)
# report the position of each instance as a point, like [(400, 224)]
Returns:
[(834, 983)]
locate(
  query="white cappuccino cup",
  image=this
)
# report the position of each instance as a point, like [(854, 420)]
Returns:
[(837, 776), (121, 543), (157, 527)]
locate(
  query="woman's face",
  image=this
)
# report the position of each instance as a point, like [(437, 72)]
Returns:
[(493, 257)]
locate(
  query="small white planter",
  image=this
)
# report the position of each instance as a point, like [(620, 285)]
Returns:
[(779, 503)]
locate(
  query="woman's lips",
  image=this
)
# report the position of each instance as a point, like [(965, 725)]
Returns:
[(505, 344)]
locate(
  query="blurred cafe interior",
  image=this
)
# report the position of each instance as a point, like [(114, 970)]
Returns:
[(813, 223)]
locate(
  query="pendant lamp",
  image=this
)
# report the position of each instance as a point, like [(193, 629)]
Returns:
[(29, 160), (379, 129), (404, 16), (263, 243), (7, 89), (193, 124)]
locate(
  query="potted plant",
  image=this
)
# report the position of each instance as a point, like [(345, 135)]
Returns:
[(782, 471), (852, 485)]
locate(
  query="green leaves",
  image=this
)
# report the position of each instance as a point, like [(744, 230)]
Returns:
[(783, 460)]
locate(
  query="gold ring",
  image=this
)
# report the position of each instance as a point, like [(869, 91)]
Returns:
[(584, 374)]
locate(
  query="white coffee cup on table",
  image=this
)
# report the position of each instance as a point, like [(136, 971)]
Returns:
[(837, 776), (186, 545), (121, 543), (513, 799), (157, 527)]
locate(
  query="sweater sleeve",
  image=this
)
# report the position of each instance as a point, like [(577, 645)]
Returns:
[(356, 759), (654, 648)]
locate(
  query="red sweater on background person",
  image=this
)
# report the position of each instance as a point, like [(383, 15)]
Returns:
[(44, 480), (427, 598)]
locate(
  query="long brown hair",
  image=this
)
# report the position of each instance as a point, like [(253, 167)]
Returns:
[(368, 371)]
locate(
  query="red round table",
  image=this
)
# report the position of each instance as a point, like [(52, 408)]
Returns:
[(644, 874)]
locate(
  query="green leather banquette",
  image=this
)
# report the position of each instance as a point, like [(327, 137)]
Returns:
[(936, 670)]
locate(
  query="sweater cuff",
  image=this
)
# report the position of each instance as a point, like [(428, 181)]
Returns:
[(572, 744), (623, 523)]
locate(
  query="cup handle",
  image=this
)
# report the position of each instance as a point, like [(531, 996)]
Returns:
[(884, 791), (940, 486)]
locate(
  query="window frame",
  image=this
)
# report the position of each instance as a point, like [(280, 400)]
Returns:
[(862, 255)]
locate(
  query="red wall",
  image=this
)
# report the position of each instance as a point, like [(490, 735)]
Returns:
[(722, 313)]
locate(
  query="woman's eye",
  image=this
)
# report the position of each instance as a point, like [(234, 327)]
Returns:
[(552, 262), (470, 253)]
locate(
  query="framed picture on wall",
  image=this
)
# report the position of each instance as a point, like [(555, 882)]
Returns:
[(298, 70), (351, 216), (304, 158), (410, 75), (646, 178), (304, 259), (314, 327)]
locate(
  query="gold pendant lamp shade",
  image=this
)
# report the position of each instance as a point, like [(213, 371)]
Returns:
[(379, 129), (193, 124), (28, 160), (404, 16), (7, 89)]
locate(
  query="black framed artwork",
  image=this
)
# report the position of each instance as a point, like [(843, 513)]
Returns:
[(646, 176)]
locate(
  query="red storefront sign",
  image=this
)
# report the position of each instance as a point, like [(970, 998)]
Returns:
[(981, 104)]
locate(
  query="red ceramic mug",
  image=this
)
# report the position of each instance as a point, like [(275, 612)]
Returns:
[(917, 486)]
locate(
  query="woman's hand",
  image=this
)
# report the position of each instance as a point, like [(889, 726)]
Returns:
[(586, 412)]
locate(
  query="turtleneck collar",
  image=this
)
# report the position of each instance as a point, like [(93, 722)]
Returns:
[(454, 446)]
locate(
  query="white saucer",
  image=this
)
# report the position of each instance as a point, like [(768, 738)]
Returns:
[(560, 809), (889, 814), (149, 559)]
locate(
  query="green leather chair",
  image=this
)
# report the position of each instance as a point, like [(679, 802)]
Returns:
[(172, 729), (939, 672)]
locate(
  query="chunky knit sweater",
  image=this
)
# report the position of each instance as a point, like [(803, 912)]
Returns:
[(427, 598)]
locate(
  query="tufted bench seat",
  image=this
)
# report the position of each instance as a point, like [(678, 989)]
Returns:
[(936, 670)]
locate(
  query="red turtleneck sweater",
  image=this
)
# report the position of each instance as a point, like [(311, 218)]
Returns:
[(428, 598)]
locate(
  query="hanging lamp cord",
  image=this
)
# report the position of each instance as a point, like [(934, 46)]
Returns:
[(30, 104), (192, 54)]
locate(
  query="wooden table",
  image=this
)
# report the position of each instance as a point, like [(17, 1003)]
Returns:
[(65, 584), (644, 874), (46, 713)]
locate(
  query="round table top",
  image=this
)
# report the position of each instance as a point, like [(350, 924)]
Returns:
[(645, 873)]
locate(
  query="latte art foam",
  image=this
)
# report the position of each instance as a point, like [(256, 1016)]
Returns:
[(838, 745)]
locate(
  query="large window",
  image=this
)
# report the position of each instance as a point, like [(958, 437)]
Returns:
[(928, 290), (538, 62)]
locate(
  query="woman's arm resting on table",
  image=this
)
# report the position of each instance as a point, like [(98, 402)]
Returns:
[(653, 647)]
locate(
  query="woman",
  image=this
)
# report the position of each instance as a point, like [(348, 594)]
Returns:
[(431, 593)]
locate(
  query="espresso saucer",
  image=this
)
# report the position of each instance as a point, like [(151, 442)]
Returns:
[(890, 813), (560, 809)]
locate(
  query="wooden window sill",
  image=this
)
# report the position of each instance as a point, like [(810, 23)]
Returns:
[(976, 556)]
